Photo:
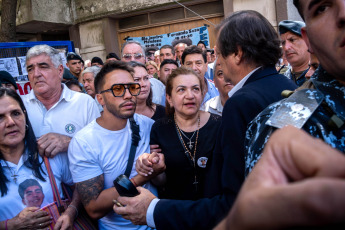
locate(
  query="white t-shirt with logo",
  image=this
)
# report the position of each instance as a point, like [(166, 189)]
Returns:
[(70, 114), (95, 151), (12, 203)]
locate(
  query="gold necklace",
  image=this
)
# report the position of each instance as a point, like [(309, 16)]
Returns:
[(186, 150)]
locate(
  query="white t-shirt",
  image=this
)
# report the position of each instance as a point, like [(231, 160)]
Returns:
[(95, 151), (12, 203), (70, 114)]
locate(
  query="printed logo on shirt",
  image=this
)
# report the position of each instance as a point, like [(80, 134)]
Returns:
[(70, 128)]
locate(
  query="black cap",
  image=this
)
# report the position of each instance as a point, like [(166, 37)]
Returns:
[(73, 56), (6, 77), (292, 26), (96, 60), (113, 55)]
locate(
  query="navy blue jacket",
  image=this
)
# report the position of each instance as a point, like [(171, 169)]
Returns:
[(226, 173)]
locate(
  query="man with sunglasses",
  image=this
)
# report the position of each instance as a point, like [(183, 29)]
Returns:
[(99, 153), (133, 51)]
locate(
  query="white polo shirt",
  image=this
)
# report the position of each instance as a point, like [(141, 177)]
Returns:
[(70, 114)]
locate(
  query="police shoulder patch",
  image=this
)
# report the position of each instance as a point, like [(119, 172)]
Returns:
[(296, 109)]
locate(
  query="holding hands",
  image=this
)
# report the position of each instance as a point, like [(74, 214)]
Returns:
[(150, 164)]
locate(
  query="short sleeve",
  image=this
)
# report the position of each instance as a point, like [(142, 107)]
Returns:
[(82, 158)]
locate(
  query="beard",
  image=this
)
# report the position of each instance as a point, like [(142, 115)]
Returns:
[(116, 110)]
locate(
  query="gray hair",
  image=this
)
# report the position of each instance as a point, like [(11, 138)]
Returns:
[(132, 42), (93, 69), (47, 50)]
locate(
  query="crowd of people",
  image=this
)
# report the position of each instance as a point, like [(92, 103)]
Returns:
[(205, 135)]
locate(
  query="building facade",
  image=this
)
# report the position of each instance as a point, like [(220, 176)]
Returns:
[(100, 27)]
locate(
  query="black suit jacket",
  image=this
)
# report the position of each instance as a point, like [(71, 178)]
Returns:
[(226, 173)]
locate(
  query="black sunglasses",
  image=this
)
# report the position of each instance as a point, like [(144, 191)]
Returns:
[(118, 90)]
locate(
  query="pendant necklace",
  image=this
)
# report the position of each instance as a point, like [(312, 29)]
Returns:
[(190, 142), (192, 157), (13, 173)]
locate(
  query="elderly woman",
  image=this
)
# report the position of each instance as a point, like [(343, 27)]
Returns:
[(186, 137), (145, 106), (215, 105), (24, 182)]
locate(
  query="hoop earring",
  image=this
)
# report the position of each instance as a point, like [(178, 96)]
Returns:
[(26, 126)]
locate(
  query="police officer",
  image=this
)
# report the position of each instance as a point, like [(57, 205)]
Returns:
[(295, 50), (319, 109)]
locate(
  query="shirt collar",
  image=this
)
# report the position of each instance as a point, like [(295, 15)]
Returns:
[(66, 94), (216, 104), (239, 85)]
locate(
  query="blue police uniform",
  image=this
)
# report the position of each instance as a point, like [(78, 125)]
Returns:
[(325, 122)]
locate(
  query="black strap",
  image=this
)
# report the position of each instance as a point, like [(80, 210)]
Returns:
[(135, 141)]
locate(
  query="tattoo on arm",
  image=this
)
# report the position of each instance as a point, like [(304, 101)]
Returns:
[(90, 189)]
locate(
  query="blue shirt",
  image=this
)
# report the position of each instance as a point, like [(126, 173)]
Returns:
[(211, 93)]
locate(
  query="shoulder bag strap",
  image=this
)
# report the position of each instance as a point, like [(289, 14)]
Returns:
[(55, 190), (135, 141)]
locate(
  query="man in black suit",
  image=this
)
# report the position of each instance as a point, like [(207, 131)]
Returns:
[(248, 49)]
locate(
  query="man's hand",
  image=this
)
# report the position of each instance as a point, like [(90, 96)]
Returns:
[(135, 207), (51, 144), (65, 222), (299, 181), (150, 164)]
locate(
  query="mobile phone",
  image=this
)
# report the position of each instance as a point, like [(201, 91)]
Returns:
[(125, 187)]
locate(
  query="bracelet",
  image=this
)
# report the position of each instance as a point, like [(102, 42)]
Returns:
[(71, 205), (6, 224), (135, 184)]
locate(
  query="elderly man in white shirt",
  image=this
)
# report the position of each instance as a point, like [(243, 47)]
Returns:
[(55, 112)]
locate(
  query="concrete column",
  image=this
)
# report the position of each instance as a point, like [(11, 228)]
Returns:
[(266, 7), (110, 28), (92, 40), (228, 6), (74, 35)]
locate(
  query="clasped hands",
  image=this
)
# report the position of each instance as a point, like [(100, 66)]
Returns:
[(135, 208)]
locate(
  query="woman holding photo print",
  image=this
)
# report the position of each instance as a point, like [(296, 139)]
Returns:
[(24, 182)]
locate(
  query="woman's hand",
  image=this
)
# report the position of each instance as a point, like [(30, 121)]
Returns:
[(30, 218), (150, 164), (143, 166), (155, 148)]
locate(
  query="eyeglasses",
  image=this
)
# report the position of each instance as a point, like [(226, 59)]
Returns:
[(136, 56), (118, 90)]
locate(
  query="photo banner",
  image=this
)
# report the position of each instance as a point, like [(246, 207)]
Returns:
[(195, 34)]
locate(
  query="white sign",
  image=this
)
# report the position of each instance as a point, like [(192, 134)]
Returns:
[(22, 61), (196, 35), (9, 65)]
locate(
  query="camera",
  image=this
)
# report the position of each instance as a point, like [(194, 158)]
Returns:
[(125, 187)]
